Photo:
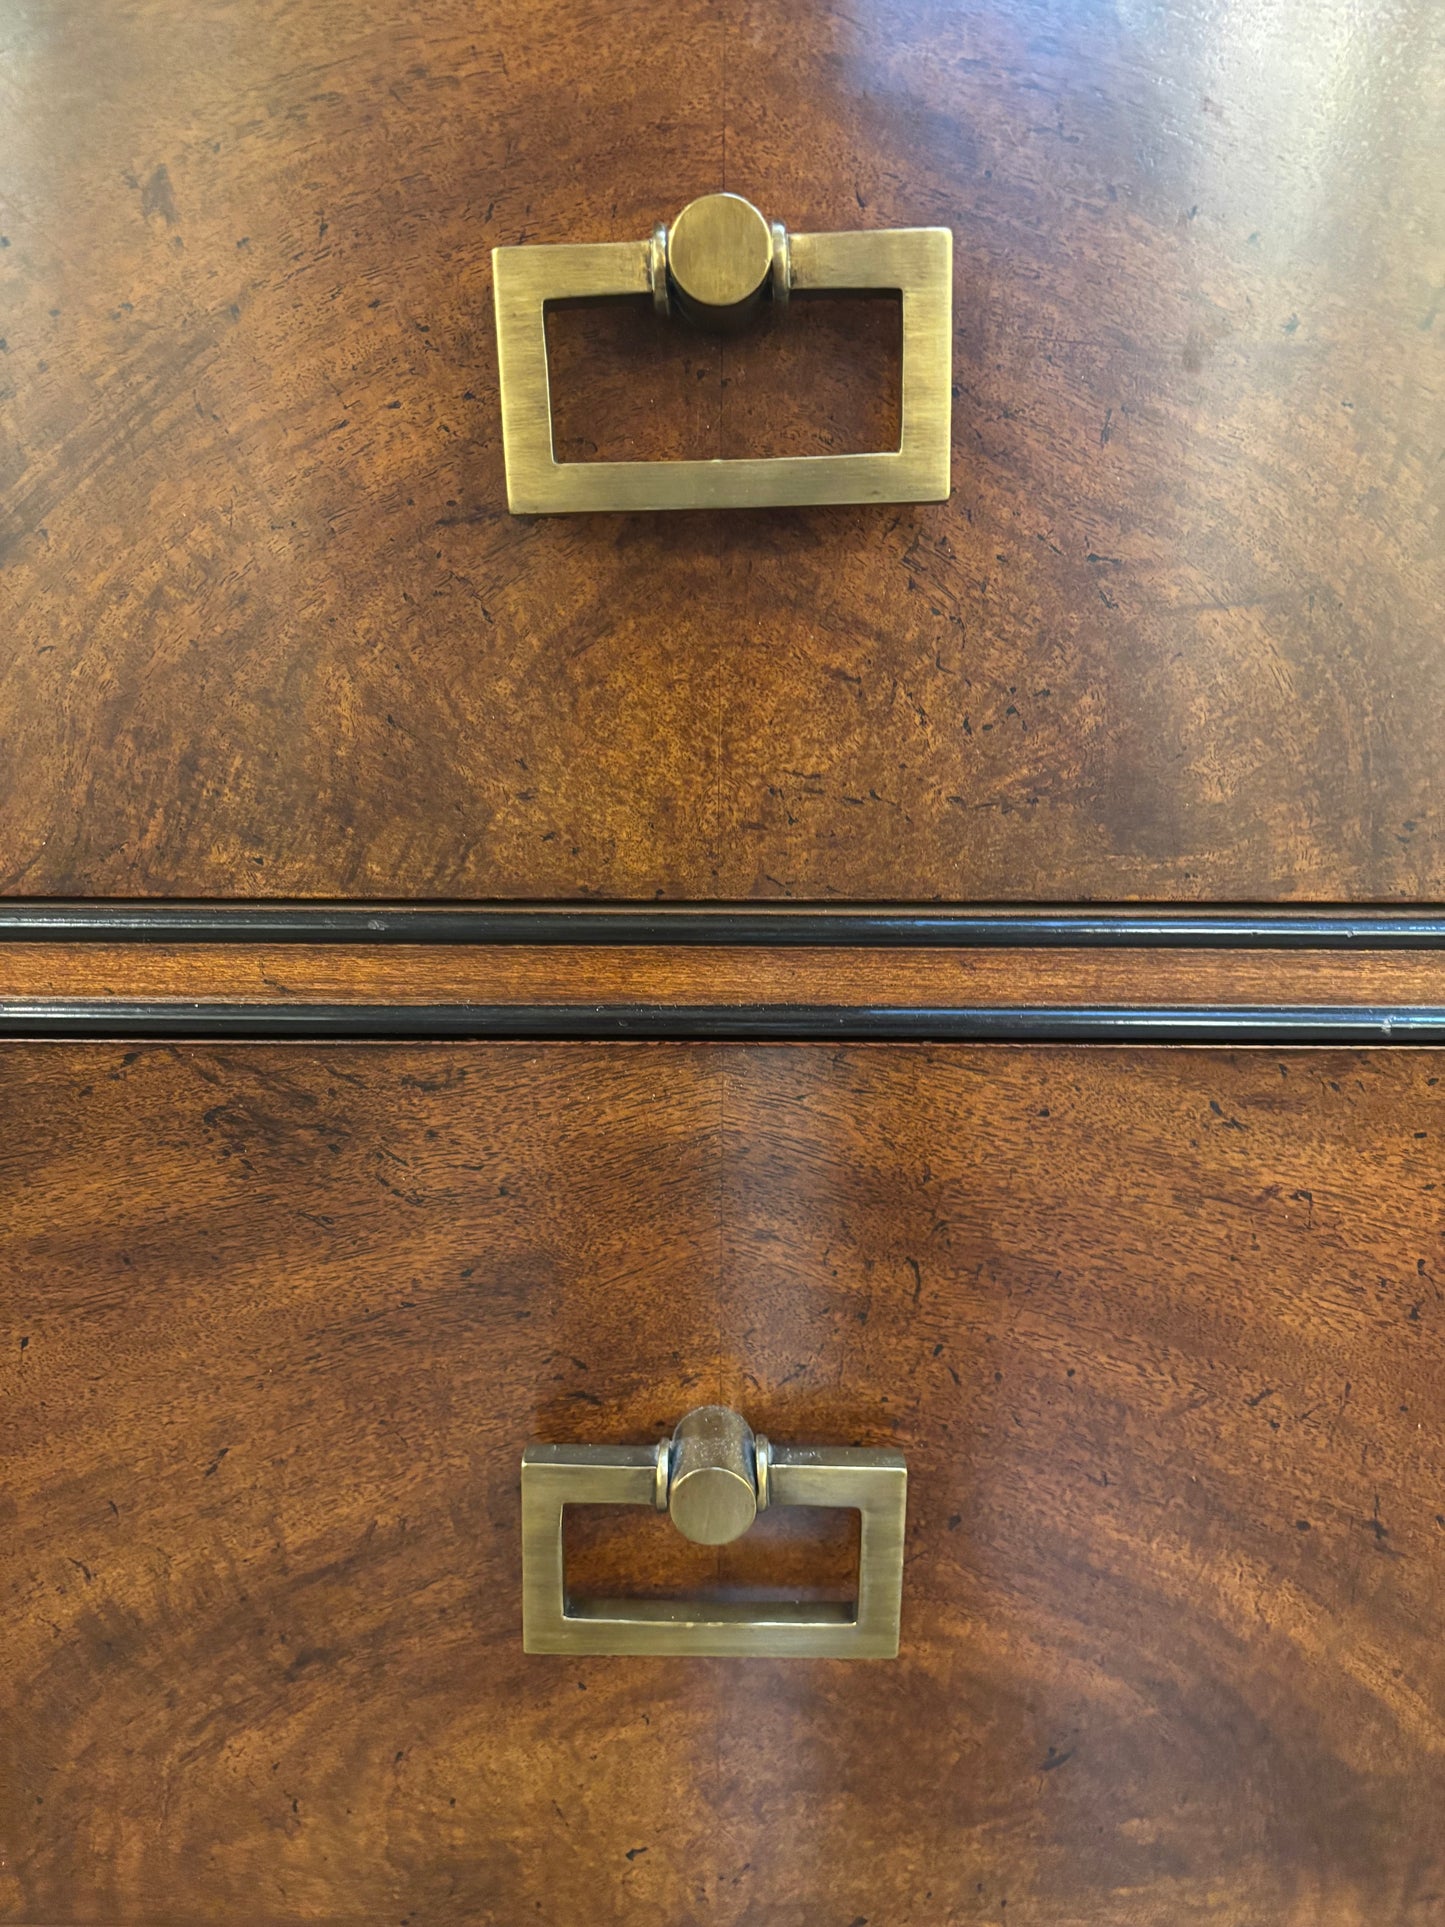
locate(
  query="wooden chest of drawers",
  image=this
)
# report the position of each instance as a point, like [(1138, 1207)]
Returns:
[(953, 981)]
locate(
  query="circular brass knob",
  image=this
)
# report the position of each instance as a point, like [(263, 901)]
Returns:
[(719, 255), (712, 1493)]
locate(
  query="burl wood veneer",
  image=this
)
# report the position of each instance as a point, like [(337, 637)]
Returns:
[(1159, 1331), (267, 629)]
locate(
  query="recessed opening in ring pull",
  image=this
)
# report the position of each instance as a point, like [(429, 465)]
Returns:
[(804, 1555), (630, 385)]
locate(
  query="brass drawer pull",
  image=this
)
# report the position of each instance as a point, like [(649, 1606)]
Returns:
[(719, 260), (713, 1476)]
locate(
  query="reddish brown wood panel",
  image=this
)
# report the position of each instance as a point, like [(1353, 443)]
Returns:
[(268, 629), (1160, 1332), (706, 974)]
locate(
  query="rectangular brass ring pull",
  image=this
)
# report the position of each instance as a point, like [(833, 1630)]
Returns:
[(713, 1477), (714, 266)]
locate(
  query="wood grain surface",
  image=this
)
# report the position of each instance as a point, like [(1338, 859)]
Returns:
[(266, 627), (1159, 1331), (391, 974)]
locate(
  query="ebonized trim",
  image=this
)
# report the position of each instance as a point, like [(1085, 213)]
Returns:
[(869, 926), (781, 1023)]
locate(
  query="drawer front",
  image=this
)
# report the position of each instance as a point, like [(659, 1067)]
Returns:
[(267, 628), (1158, 1332)]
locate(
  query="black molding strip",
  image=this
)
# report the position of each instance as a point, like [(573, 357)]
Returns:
[(779, 1023), (920, 926)]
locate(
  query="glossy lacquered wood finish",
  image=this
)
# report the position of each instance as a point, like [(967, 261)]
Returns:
[(400, 974), (1159, 1332), (268, 628)]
